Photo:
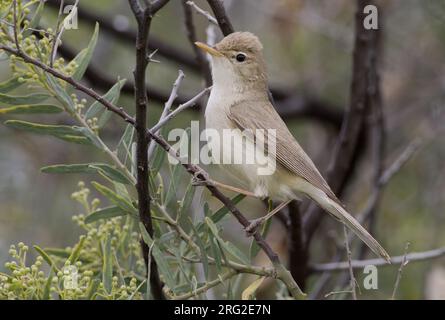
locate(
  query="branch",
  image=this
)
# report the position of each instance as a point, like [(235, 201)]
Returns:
[(163, 121), (202, 12), (360, 264), (220, 14), (191, 34), (144, 18), (344, 156), (399, 273)]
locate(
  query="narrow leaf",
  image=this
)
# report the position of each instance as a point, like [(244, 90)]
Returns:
[(107, 265), (31, 109), (76, 251), (9, 85), (116, 199), (60, 93), (34, 20), (84, 57), (21, 100), (163, 266), (107, 170), (249, 292), (221, 213), (106, 213), (111, 96)]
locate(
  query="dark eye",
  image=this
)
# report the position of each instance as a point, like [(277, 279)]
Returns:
[(240, 57)]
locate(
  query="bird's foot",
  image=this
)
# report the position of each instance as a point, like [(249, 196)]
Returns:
[(252, 228), (201, 178)]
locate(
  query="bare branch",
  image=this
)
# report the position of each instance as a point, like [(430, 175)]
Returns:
[(144, 18), (399, 273), (360, 264), (56, 38), (181, 108), (202, 12), (191, 34), (352, 281), (167, 107), (221, 16)]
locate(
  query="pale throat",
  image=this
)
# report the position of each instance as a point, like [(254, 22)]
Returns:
[(227, 81)]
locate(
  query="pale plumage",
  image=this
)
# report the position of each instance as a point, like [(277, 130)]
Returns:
[(239, 99)]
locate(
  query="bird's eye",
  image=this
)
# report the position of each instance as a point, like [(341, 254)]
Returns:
[(240, 57)]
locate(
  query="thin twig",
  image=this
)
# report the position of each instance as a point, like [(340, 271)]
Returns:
[(221, 16), (399, 273), (202, 12), (144, 17), (360, 264), (15, 29), (352, 282), (167, 107), (58, 34), (179, 109)]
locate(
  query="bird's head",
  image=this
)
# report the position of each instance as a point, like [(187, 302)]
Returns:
[(237, 60)]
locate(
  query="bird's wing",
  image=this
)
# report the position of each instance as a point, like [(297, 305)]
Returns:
[(252, 115)]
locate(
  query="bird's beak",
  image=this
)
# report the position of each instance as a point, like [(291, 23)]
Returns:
[(208, 49)]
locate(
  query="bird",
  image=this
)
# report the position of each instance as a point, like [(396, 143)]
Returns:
[(239, 100)]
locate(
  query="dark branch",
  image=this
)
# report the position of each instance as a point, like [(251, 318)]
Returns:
[(345, 152), (220, 14), (191, 34), (143, 17)]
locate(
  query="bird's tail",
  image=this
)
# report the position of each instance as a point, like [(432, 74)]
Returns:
[(341, 214)]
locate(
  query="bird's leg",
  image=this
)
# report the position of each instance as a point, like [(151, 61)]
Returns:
[(254, 224), (198, 181), (234, 189)]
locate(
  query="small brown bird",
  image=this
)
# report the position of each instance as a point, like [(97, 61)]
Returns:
[(239, 100)]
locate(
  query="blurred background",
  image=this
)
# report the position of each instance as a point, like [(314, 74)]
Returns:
[(308, 49)]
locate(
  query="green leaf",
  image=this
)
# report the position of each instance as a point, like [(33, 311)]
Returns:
[(105, 213), (221, 213), (84, 57), (42, 128), (228, 246), (21, 100), (162, 263), (35, 20), (216, 253), (186, 202), (45, 256), (254, 248), (31, 109), (9, 85), (92, 289), (116, 199), (249, 292), (107, 265), (158, 159), (91, 136), (60, 93), (173, 186), (124, 145), (107, 170), (202, 250), (46, 290), (67, 133), (76, 252), (111, 96)]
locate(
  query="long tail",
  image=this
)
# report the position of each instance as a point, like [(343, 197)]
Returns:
[(341, 214)]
